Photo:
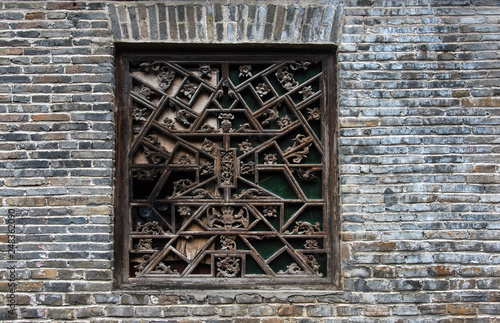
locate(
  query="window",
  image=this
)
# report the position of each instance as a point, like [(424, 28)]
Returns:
[(226, 171)]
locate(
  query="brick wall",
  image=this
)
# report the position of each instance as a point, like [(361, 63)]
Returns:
[(419, 97)]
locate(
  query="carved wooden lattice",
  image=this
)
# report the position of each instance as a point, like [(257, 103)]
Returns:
[(227, 166)]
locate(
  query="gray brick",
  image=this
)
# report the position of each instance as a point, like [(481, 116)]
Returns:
[(320, 310), (177, 311), (119, 311)]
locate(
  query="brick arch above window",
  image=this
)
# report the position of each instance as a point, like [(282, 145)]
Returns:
[(286, 22)]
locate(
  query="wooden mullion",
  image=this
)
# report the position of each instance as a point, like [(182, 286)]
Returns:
[(191, 137)]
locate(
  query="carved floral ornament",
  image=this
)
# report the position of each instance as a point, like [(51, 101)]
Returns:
[(222, 168)]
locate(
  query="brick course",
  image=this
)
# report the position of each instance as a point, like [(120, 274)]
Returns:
[(418, 104)]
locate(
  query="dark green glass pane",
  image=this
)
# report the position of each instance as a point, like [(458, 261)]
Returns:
[(267, 247), (312, 214), (254, 141), (316, 127), (234, 76), (277, 183), (282, 262), (241, 245), (290, 210), (252, 267), (262, 227), (226, 100), (313, 157), (239, 120), (251, 101), (277, 85)]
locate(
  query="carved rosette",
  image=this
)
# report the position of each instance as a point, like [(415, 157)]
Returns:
[(284, 122), (306, 92), (165, 75), (245, 71), (314, 114), (145, 92), (286, 79), (262, 89), (139, 114), (184, 159), (169, 123), (270, 211), (306, 175), (184, 211)]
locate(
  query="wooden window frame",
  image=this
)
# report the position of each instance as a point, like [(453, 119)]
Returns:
[(124, 55)]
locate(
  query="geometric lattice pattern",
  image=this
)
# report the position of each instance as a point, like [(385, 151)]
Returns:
[(226, 162)]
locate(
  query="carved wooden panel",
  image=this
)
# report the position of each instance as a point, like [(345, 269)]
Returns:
[(227, 160)]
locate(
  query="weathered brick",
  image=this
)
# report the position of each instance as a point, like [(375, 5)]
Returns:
[(50, 299), (176, 311), (248, 299), (232, 310), (119, 311), (290, 310), (320, 310)]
